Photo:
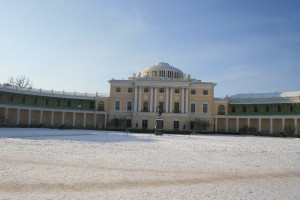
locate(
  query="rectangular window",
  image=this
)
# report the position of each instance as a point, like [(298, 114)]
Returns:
[(244, 109), (176, 107), (92, 105), (177, 91), (176, 125), (145, 124), (117, 105), (79, 104), (291, 109), (145, 107), (193, 91), (46, 101), (35, 100), (129, 90), (146, 90), (161, 90), (116, 123), (69, 103), (23, 100), (278, 108), (118, 89), (11, 98), (205, 92), (161, 106), (129, 105), (205, 107), (192, 125), (101, 106), (267, 109), (128, 123), (233, 109), (193, 107), (255, 109), (57, 103)]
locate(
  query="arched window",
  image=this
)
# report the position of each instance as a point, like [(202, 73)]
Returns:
[(101, 106), (221, 110)]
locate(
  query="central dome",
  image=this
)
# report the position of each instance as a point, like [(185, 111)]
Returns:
[(162, 69)]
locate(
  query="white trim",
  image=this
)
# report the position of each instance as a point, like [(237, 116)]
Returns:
[(187, 100), (135, 98), (167, 99), (151, 99)]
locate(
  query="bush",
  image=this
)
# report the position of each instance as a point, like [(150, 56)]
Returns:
[(245, 130), (289, 131)]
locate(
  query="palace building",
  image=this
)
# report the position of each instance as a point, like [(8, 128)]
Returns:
[(158, 91)]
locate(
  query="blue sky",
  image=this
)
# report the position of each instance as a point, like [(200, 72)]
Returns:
[(78, 45)]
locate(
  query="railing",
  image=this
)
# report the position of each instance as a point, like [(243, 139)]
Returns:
[(16, 89), (264, 100)]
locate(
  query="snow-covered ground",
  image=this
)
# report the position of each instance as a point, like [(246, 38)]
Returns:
[(82, 164)]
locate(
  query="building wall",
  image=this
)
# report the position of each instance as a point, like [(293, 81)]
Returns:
[(25, 109)]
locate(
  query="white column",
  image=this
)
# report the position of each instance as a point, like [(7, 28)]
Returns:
[(182, 100), (187, 100), (259, 124), (41, 117), (84, 120), (155, 98), (237, 124), (29, 117), (63, 118), (248, 122), (95, 120), (271, 125), (226, 124), (135, 98), (216, 125), (283, 124), (171, 100), (296, 126), (18, 116), (151, 99), (52, 118), (167, 99), (140, 99), (74, 118)]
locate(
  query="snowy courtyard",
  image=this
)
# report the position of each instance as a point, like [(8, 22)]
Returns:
[(86, 164)]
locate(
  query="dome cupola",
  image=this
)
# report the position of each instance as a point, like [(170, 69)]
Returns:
[(162, 70)]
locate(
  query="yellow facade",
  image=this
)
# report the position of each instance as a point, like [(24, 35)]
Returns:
[(160, 91)]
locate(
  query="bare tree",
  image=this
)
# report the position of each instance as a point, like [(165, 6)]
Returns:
[(20, 81)]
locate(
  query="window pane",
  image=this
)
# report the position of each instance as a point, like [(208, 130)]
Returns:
[(128, 123), (193, 107), (145, 108), (205, 108), (101, 106), (129, 105), (117, 105)]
